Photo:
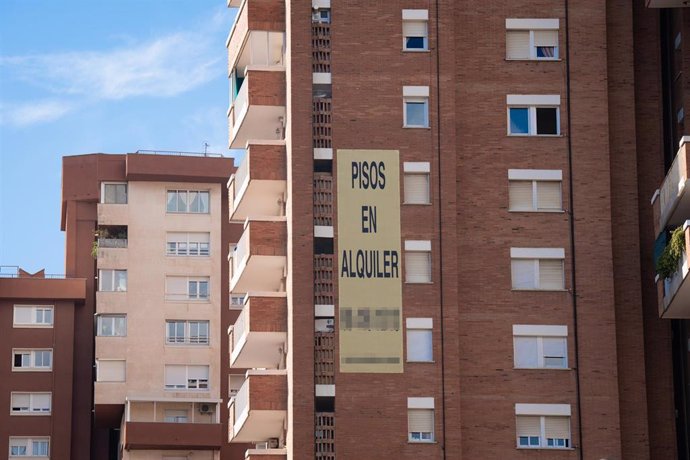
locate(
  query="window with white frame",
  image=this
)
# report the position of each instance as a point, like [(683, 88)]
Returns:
[(532, 39), (187, 288), (416, 106), (114, 192), (112, 325), (535, 190), (542, 426), (537, 269), (188, 201), (420, 419), (416, 182), (30, 403), (32, 360), (112, 280), (176, 416), (111, 370), (415, 26), (188, 244), (540, 346), (534, 115), (417, 261), (182, 377), (33, 316), (29, 447), (187, 332), (419, 340)]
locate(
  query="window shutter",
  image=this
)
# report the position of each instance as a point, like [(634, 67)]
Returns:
[(549, 195), (176, 287), (22, 315), (528, 425), (175, 375), (525, 349), (420, 420), (557, 427), (41, 401), (551, 274), (520, 195), (204, 237), (414, 28), (416, 188), (111, 371), (419, 345), (197, 372), (417, 267), (545, 38), (21, 400), (177, 237), (523, 273), (517, 44)]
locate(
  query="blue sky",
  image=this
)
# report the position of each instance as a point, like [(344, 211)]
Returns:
[(80, 76)]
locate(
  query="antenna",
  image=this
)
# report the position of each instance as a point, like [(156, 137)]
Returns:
[(206, 146)]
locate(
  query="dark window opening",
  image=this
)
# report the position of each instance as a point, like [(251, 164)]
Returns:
[(547, 120), (323, 245), (323, 166), (324, 404)]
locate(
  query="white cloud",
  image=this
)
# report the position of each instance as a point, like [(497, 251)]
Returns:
[(34, 112)]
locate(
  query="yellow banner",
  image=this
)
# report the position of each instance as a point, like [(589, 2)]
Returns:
[(369, 261)]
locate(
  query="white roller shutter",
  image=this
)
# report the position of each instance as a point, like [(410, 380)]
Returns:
[(420, 420), (520, 195), (414, 28), (177, 237), (528, 425), (416, 188), (176, 287), (551, 274), (545, 38), (201, 237), (557, 427), (517, 44), (417, 267), (40, 402), (522, 271), (110, 370), (23, 315), (175, 376), (197, 372), (21, 401), (549, 195)]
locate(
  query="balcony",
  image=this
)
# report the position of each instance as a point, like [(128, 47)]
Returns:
[(112, 214), (324, 290), (258, 187), (674, 292), (256, 37), (323, 199), (266, 454), (667, 3), (259, 410), (672, 203), (257, 339), (259, 260), (258, 110), (170, 424)]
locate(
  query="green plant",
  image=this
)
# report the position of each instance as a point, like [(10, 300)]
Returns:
[(667, 264), (94, 249)]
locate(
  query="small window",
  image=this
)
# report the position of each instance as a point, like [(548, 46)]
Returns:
[(416, 112), (29, 447), (188, 244), (112, 325), (188, 201), (32, 360), (111, 370), (187, 332), (30, 403), (419, 340), (532, 39), (538, 273), (415, 36), (418, 261), (181, 377), (416, 183), (533, 115), (321, 15), (535, 195), (112, 280), (420, 419), (176, 416), (184, 288), (538, 352), (33, 316), (114, 193), (542, 432)]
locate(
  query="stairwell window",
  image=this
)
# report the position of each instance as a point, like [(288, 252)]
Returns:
[(417, 261), (416, 106), (542, 426), (188, 201), (540, 347), (420, 420), (415, 30), (532, 190), (532, 39), (533, 115), (416, 182), (540, 269)]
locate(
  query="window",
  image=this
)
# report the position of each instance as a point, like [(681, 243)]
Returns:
[(534, 115), (32, 360), (29, 447), (180, 377), (111, 370), (536, 346), (30, 403), (114, 193), (542, 426), (535, 190), (112, 280), (112, 325), (188, 201), (176, 416), (537, 269), (188, 244), (187, 288), (417, 261), (415, 26), (187, 332), (416, 183), (420, 419), (416, 106), (33, 316), (535, 39), (419, 340), (322, 15)]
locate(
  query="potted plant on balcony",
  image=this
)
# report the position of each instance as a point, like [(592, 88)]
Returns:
[(667, 263)]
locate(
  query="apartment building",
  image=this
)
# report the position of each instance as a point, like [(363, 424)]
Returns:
[(39, 417)]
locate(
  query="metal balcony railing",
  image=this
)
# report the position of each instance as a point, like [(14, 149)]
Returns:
[(323, 199), (112, 242)]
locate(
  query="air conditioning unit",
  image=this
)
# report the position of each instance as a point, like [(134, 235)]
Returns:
[(261, 445), (273, 443), (205, 408)]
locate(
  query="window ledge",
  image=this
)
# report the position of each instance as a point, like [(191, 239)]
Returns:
[(417, 204), (543, 368), (536, 135), (532, 60), (539, 290), (419, 282), (422, 442), (416, 127), (406, 50), (545, 211), (544, 448), (30, 414), (30, 369), (421, 362)]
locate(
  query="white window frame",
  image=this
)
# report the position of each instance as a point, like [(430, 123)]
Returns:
[(419, 324), (187, 338), (104, 184), (419, 246), (418, 169), (531, 26), (535, 255), (423, 403), (179, 252), (418, 16), (36, 312), (29, 441), (544, 411), (416, 94), (110, 316), (32, 410), (32, 367), (111, 274), (187, 379), (187, 211), (535, 176), (540, 332), (532, 102), (188, 295)]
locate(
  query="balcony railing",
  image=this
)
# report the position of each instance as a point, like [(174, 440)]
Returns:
[(324, 435), (321, 123), (672, 204), (112, 243), (324, 358), (321, 47), (323, 199), (323, 280)]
